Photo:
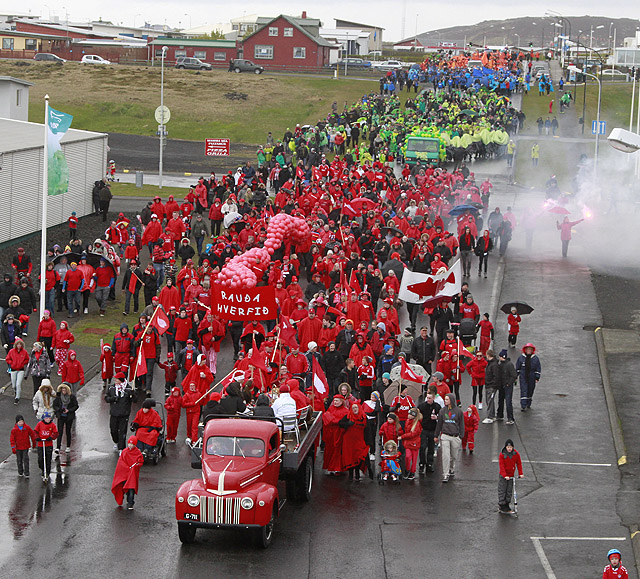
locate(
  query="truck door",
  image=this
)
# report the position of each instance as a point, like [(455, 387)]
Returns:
[(272, 468)]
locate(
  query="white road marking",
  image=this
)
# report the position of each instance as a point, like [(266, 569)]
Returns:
[(543, 558), (605, 464)]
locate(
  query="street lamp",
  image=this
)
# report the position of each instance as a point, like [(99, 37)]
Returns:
[(164, 52), (518, 37), (575, 69), (189, 15)]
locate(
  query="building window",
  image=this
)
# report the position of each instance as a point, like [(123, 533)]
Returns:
[(263, 52), (273, 31), (220, 56), (31, 44), (201, 54), (288, 32), (7, 44), (299, 52), (179, 53), (18, 97)]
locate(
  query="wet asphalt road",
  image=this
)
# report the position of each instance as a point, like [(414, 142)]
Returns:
[(422, 528)]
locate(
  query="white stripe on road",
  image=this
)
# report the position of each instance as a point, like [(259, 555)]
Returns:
[(543, 558), (605, 464), (578, 538)]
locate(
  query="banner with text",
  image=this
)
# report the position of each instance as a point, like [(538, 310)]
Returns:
[(57, 125), (258, 303)]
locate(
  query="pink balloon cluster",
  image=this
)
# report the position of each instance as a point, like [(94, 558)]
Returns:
[(243, 270)]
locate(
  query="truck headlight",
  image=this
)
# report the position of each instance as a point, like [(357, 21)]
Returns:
[(193, 500), (246, 503)]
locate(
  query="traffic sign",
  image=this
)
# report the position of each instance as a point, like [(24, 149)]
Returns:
[(159, 116), (599, 130), (217, 147)]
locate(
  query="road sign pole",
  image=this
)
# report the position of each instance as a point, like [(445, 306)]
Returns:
[(164, 52)]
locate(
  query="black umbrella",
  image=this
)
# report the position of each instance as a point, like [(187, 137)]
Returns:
[(93, 259), (522, 307), (392, 230), (460, 209)]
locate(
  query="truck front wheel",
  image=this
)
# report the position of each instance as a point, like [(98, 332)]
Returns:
[(304, 480), (186, 533), (264, 535)]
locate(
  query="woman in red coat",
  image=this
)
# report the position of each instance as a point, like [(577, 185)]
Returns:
[(46, 330), (411, 442), (125, 479), (169, 296), (192, 402), (73, 372), (332, 435), (355, 452), (147, 424), (62, 341), (173, 405)]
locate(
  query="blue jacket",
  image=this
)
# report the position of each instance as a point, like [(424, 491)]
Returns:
[(534, 369)]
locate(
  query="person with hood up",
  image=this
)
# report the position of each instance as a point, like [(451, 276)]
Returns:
[(192, 402), (17, 360), (119, 397), (46, 330), (332, 434), (263, 408), (300, 397), (528, 368), (73, 372), (22, 438), (360, 349), (284, 405), (355, 452), (46, 432), (127, 474), (39, 366), (173, 405), (509, 460), (43, 399), (471, 423), (476, 369), (65, 405), (7, 289), (449, 430), (62, 340), (147, 426), (411, 442)]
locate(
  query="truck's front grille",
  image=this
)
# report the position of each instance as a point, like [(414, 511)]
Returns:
[(220, 510)]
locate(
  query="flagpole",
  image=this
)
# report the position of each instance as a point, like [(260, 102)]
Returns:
[(45, 194)]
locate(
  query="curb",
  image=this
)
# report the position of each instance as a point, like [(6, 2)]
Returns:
[(497, 288), (635, 544), (614, 419)]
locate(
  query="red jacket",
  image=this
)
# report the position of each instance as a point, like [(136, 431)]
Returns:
[(190, 402), (73, 280), (22, 439), (411, 436), (508, 463), (47, 328), (72, 371), (46, 433), (476, 368), (17, 359), (170, 370), (471, 420), (173, 404), (388, 432), (611, 573)]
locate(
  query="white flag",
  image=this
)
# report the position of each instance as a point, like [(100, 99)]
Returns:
[(418, 288)]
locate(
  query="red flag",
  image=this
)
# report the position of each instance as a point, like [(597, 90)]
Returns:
[(287, 332), (343, 281), (408, 373), (348, 210), (462, 350), (132, 283), (160, 321), (141, 363), (256, 359), (320, 384), (354, 284)]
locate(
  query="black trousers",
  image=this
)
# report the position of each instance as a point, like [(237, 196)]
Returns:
[(427, 447), (48, 453), (64, 423), (118, 426)]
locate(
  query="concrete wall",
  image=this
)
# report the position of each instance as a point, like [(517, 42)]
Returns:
[(14, 101)]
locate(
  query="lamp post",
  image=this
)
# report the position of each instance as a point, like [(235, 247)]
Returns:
[(189, 15), (164, 52), (518, 37), (575, 69)]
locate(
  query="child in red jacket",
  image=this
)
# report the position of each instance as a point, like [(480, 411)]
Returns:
[(509, 460), (106, 359), (173, 405), (391, 429), (170, 373), (22, 438), (615, 569), (471, 422), (46, 432), (191, 403), (73, 372), (131, 251), (411, 442), (476, 369), (513, 319)]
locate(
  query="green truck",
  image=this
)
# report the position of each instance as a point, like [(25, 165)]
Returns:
[(425, 149)]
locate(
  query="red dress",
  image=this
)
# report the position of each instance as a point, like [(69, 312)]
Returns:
[(127, 471), (332, 435), (354, 449)]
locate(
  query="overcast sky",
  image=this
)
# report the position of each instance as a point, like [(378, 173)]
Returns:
[(427, 15)]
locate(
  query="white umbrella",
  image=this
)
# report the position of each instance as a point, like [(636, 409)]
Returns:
[(231, 217)]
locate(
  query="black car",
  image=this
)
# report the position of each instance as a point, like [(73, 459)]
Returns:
[(242, 65), (192, 63), (48, 57)]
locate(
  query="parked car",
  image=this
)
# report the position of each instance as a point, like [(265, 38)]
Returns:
[(613, 72), (48, 57), (353, 63), (242, 65), (94, 59), (192, 63), (386, 65)]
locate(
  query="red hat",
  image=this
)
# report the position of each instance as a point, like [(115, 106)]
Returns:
[(169, 354), (120, 376), (189, 341), (215, 397), (285, 388)]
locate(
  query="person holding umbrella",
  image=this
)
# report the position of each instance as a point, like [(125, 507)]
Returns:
[(513, 319)]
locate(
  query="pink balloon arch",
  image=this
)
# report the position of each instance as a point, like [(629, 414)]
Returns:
[(244, 270)]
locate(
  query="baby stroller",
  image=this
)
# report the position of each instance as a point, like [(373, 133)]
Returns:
[(390, 469), (468, 332), (160, 448)]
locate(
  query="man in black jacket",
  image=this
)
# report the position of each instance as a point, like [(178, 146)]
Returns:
[(429, 410), (332, 363), (119, 397), (423, 349), (345, 339), (7, 289), (492, 383), (508, 376), (349, 375)]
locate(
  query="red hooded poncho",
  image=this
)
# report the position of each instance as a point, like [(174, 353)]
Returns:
[(332, 435), (354, 448), (127, 471)]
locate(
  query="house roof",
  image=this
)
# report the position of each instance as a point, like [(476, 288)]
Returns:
[(294, 22), (357, 24), (303, 22), (64, 29), (194, 42), (15, 80)]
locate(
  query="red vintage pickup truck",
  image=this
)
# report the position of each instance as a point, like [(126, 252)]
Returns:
[(242, 460)]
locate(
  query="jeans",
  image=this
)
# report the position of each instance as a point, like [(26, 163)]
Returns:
[(491, 402), (17, 376), (159, 267), (130, 497), (466, 262), (22, 458), (73, 301), (427, 444), (49, 300), (450, 450), (127, 301), (505, 395), (102, 295), (199, 241), (483, 258)]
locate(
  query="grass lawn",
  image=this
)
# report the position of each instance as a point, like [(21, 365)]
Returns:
[(242, 107), (615, 107), (111, 321), (130, 190), (534, 106)]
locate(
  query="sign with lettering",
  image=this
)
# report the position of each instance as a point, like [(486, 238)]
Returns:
[(217, 147), (258, 303)]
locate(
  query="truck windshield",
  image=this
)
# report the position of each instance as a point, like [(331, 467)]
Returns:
[(235, 446), (423, 145)]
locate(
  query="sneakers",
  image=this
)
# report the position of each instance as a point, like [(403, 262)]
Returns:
[(26, 475), (488, 421), (102, 313), (411, 476), (452, 474), (130, 508), (430, 468), (115, 447), (68, 449), (423, 467), (445, 478), (479, 405), (16, 401), (500, 418), (187, 441), (372, 457), (509, 422), (20, 474), (56, 451), (86, 310)]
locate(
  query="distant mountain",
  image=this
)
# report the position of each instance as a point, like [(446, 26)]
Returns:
[(539, 31)]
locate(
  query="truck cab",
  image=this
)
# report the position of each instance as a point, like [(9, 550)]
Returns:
[(425, 149), (242, 460)]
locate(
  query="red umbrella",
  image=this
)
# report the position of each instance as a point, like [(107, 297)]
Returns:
[(363, 204), (559, 210)]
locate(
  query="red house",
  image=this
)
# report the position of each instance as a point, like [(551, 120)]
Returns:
[(286, 43)]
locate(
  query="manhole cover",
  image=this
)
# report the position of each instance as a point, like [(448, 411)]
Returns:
[(98, 331)]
